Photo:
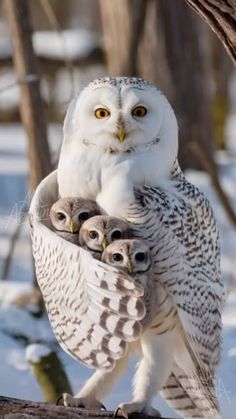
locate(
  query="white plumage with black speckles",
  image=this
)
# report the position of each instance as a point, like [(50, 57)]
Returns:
[(120, 147)]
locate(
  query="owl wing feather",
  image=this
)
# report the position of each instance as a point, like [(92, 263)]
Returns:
[(181, 231), (93, 308), (188, 397)]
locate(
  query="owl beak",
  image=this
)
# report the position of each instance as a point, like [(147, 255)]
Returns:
[(104, 243), (130, 267), (72, 226), (121, 133)]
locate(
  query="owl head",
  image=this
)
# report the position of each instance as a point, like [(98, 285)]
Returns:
[(124, 115), (131, 255), (68, 214), (97, 232)]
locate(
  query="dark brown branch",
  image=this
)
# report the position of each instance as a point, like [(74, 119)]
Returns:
[(15, 408), (220, 15)]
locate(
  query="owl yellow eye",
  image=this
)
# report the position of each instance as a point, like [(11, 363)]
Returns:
[(101, 113), (139, 111)]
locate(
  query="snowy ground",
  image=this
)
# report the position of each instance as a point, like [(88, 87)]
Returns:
[(17, 379)]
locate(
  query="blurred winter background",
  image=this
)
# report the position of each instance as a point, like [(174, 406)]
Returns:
[(76, 41)]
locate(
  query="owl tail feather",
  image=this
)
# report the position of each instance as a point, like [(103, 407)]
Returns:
[(188, 397)]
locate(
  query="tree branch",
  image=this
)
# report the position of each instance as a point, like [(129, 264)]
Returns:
[(13, 408), (220, 15)]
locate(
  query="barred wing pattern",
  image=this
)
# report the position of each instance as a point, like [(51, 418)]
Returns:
[(181, 231), (94, 309)]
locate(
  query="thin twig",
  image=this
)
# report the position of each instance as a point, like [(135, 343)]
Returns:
[(210, 168)]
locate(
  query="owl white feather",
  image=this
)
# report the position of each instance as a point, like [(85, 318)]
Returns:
[(120, 147)]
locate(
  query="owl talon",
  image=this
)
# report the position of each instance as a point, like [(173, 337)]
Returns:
[(59, 401), (119, 413), (103, 407), (68, 400), (81, 402), (127, 410)]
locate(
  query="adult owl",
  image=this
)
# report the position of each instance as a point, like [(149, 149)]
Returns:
[(120, 149)]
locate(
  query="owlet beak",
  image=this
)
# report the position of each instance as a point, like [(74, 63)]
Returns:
[(130, 267), (73, 226), (121, 133), (104, 243)]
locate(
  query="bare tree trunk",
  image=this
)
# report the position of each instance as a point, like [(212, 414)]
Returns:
[(222, 69), (31, 105), (123, 24), (186, 40), (31, 108), (152, 53), (221, 17)]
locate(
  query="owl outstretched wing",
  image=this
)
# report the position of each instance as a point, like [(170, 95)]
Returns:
[(94, 309), (181, 231)]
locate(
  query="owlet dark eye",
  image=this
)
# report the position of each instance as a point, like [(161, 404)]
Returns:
[(140, 257), (83, 216), (117, 257), (116, 235), (60, 216), (139, 111), (93, 234)]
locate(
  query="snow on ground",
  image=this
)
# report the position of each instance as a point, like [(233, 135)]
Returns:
[(17, 380)]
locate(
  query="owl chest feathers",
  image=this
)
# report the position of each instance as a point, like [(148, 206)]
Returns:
[(105, 177)]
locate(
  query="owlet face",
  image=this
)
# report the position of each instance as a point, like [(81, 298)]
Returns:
[(68, 214), (97, 232), (132, 255)]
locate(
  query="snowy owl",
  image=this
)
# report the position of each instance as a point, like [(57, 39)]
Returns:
[(68, 214), (121, 143), (99, 231)]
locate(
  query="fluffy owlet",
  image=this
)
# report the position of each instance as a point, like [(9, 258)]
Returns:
[(131, 255), (98, 232), (134, 257), (68, 214), (121, 142)]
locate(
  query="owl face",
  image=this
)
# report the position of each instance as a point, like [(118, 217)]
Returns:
[(98, 232), (123, 116), (68, 214), (132, 255)]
